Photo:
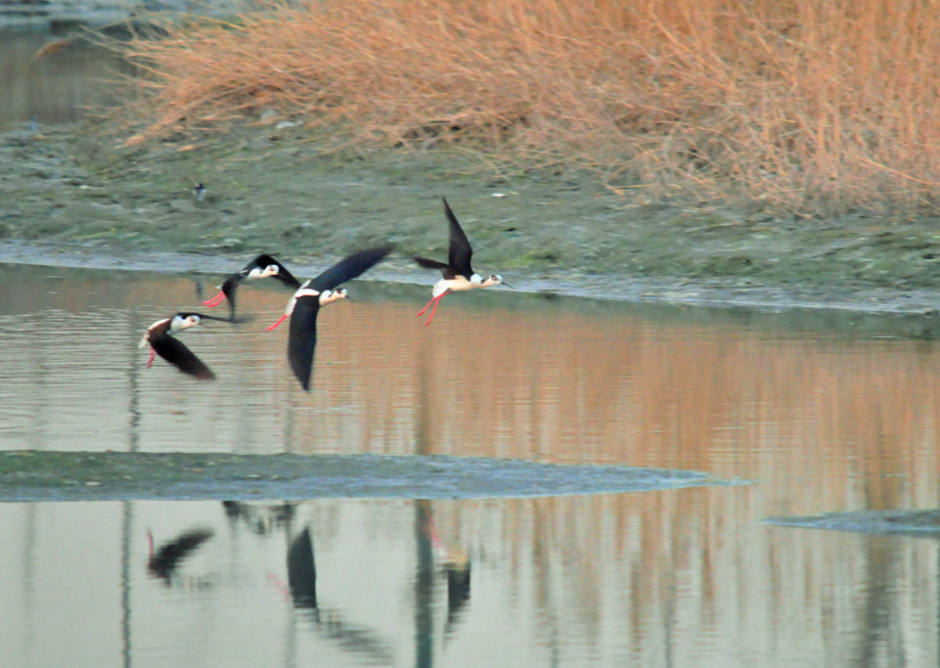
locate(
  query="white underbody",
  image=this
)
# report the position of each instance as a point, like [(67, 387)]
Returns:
[(325, 297), (457, 284), (177, 324)]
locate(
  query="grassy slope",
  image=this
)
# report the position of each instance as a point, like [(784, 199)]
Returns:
[(269, 190), (745, 144), (788, 105)]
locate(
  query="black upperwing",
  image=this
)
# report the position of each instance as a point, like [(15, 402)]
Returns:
[(228, 289), (302, 339), (350, 267), (230, 286), (283, 275), (176, 353), (430, 264), (459, 252)]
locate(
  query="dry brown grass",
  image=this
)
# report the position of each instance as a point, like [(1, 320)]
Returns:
[(807, 106)]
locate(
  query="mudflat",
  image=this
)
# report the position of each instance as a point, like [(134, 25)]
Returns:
[(77, 195)]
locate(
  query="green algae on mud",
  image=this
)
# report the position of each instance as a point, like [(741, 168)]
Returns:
[(920, 523), (273, 191), (56, 476)]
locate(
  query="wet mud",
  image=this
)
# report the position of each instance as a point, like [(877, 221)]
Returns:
[(76, 196), (48, 476), (920, 523)]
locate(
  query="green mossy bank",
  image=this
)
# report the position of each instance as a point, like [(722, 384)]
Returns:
[(271, 188)]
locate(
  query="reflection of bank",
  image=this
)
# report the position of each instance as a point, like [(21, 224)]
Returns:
[(57, 88), (113, 18)]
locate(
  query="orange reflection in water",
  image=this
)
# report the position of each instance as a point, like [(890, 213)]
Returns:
[(820, 422)]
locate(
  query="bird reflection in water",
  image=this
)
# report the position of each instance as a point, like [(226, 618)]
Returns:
[(454, 562), (302, 571), (332, 623), (260, 519), (163, 562)]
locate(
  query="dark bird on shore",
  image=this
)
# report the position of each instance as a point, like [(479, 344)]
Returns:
[(163, 342), (199, 191), (263, 266), (457, 272), (303, 307)]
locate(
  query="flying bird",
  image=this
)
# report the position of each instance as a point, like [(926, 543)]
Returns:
[(303, 307), (457, 272), (262, 266), (163, 342)]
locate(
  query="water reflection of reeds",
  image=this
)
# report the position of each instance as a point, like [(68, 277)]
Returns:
[(535, 383), (821, 421)]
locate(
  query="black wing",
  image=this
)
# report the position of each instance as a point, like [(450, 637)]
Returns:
[(350, 267), (430, 264), (302, 340), (282, 275), (177, 354), (460, 251), (228, 289)]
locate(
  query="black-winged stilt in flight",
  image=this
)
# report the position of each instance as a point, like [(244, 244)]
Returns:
[(160, 337), (262, 266), (458, 274), (304, 306)]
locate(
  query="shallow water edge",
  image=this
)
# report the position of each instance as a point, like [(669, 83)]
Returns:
[(706, 292)]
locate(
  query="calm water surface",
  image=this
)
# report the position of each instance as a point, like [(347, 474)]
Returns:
[(58, 87), (823, 413)]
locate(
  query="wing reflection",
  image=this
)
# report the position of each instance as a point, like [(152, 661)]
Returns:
[(302, 571), (331, 623), (260, 519), (443, 569), (163, 562)]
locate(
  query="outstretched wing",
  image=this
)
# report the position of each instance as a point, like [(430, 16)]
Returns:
[(228, 289), (283, 275), (173, 351), (460, 251), (350, 267), (430, 264), (302, 339)]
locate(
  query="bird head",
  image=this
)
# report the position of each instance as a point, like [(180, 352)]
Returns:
[(329, 296), (264, 272), (183, 321), (303, 291), (494, 279)]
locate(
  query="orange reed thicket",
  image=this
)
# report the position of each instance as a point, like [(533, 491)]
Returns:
[(805, 105)]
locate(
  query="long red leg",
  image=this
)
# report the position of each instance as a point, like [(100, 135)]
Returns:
[(152, 355), (434, 310), (271, 328), (215, 301), (433, 299)]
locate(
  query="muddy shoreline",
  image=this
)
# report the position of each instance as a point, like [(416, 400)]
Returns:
[(49, 476), (76, 197)]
